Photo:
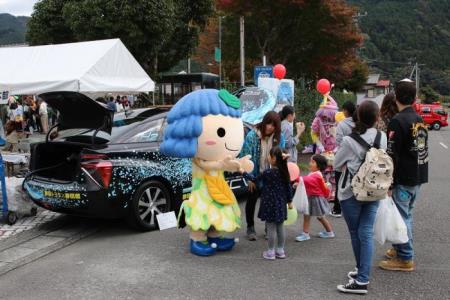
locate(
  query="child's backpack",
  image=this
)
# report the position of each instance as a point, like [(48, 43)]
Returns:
[(375, 175)]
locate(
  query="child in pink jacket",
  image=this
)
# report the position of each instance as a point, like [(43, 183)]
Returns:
[(318, 192)]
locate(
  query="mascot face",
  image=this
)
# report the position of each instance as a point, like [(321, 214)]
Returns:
[(205, 124), (221, 137)]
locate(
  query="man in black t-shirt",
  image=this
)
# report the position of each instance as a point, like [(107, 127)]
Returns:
[(408, 147)]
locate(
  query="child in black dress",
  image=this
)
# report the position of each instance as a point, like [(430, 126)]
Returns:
[(275, 194)]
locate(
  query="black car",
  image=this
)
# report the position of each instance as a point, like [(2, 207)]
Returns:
[(103, 168)]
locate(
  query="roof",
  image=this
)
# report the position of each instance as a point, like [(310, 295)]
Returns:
[(373, 78), (86, 67), (362, 97), (383, 83)]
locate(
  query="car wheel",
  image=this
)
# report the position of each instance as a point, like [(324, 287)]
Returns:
[(150, 199), (11, 218), (436, 126)]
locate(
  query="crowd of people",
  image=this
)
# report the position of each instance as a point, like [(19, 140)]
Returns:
[(395, 128), (23, 116), (120, 104)]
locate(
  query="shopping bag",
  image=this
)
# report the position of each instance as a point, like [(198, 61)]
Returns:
[(300, 199), (291, 216), (389, 225)]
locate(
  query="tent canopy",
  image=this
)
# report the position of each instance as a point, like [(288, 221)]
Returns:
[(88, 67)]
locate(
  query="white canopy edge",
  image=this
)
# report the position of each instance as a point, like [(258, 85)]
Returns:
[(104, 66)]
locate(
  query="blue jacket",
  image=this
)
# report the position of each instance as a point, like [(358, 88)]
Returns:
[(252, 146)]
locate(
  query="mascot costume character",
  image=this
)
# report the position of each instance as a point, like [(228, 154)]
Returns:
[(323, 128), (205, 125), (323, 132)]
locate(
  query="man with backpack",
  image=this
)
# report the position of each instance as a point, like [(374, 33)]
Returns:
[(408, 147)]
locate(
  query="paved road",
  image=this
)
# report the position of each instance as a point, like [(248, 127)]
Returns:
[(117, 263)]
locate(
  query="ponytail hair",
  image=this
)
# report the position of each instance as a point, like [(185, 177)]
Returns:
[(281, 162), (368, 113)]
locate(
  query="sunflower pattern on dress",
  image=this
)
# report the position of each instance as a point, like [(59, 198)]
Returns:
[(202, 211)]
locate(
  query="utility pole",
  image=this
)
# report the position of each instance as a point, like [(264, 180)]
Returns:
[(241, 26), (417, 75), (417, 79), (220, 48)]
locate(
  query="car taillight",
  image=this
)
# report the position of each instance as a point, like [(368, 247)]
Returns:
[(102, 168)]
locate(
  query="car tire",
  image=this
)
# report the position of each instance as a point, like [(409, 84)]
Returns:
[(150, 198), (436, 126), (11, 218)]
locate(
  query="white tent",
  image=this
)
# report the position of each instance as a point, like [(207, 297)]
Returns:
[(89, 67)]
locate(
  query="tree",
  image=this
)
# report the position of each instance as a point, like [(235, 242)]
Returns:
[(310, 37), (47, 24), (429, 94), (157, 33), (354, 75), (208, 41)]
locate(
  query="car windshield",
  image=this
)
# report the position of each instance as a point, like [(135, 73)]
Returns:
[(137, 130), (440, 111)]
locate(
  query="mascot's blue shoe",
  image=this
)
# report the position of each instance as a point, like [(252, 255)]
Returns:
[(223, 244), (203, 248)]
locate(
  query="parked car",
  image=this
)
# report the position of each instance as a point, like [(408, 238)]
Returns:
[(432, 114), (111, 169)]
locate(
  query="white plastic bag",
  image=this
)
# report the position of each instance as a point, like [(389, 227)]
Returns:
[(300, 199), (18, 201), (389, 225)]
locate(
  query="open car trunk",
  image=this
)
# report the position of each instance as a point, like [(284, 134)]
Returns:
[(60, 160), (56, 160)]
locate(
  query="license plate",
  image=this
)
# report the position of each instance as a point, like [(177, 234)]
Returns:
[(62, 195)]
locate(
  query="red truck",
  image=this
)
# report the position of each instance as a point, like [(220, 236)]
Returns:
[(432, 114)]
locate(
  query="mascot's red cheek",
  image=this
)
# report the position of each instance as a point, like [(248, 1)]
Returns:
[(210, 143)]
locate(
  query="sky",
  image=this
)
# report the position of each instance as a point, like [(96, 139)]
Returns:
[(17, 7)]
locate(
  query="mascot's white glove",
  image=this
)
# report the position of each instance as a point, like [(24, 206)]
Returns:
[(231, 165), (246, 164)]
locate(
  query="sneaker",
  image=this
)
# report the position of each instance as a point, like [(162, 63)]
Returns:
[(280, 254), (397, 264), (336, 214), (269, 254), (303, 237), (251, 234), (326, 234), (391, 253), (353, 274), (352, 287)]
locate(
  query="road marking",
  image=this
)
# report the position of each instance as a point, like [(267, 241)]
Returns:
[(443, 145)]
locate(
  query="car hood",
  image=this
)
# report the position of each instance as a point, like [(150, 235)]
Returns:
[(77, 111)]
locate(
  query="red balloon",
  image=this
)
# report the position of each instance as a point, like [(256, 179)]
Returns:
[(323, 86), (294, 171), (279, 71)]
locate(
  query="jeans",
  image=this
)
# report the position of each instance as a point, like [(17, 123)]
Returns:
[(405, 198), (360, 218), (278, 230)]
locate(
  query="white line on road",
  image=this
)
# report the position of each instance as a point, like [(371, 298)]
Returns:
[(443, 145)]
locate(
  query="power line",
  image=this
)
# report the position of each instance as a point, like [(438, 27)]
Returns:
[(391, 62)]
